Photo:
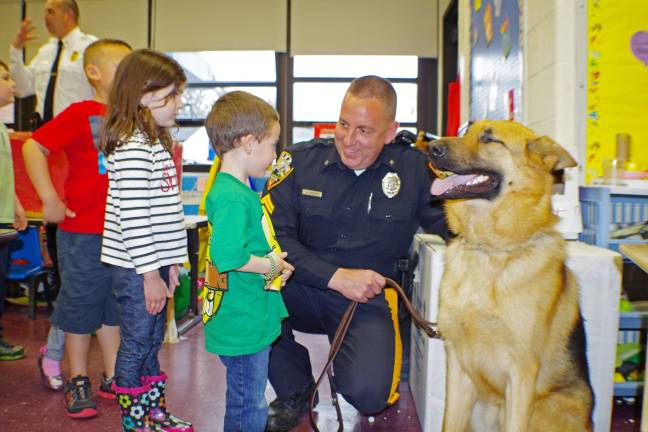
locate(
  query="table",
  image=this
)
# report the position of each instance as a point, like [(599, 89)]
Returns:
[(192, 224), (193, 315), (638, 254), (7, 235)]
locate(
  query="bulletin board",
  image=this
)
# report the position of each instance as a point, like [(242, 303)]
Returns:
[(617, 92), (496, 60)]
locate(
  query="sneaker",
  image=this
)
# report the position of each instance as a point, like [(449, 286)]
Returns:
[(105, 388), (78, 398), (10, 352), (51, 382), (283, 415)]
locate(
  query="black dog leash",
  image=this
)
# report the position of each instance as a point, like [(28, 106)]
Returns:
[(336, 344)]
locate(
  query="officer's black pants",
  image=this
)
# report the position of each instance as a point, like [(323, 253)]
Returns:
[(364, 367)]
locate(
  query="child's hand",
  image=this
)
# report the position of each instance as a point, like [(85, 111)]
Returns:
[(284, 267), (155, 292), (174, 280), (20, 217), (55, 211)]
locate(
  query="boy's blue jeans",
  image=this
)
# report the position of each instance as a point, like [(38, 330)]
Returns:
[(246, 409), (142, 334)]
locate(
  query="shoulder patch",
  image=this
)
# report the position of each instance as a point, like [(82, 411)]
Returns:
[(282, 169)]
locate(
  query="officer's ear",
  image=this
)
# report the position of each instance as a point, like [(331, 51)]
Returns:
[(391, 132)]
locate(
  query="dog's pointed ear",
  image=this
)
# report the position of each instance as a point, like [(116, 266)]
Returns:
[(553, 155)]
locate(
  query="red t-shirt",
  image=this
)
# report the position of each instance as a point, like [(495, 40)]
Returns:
[(76, 132)]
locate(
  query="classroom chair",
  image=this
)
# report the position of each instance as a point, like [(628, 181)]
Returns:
[(26, 265)]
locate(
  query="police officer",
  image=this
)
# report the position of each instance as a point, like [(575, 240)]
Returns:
[(346, 210), (56, 73)]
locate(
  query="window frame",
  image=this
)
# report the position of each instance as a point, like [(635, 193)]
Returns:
[(426, 82), (213, 84), (427, 79)]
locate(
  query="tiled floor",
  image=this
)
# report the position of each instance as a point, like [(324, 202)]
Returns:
[(196, 388), (626, 416)]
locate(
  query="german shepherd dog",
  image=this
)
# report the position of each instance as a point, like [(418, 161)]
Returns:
[(509, 309)]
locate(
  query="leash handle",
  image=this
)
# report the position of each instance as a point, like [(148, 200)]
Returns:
[(336, 344)]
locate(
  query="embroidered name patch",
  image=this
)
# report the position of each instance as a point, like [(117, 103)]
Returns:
[(312, 193)]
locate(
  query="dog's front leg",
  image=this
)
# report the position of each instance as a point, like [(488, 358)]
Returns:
[(461, 394), (519, 395)]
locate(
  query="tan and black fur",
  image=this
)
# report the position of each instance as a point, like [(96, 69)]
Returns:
[(509, 309)]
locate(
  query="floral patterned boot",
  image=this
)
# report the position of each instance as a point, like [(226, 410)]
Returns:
[(160, 417), (134, 407)]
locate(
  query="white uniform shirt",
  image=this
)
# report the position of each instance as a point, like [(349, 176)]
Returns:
[(71, 84)]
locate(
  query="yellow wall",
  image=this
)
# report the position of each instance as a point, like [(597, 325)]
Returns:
[(617, 96)]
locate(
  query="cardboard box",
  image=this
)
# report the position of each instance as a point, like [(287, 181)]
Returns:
[(599, 274)]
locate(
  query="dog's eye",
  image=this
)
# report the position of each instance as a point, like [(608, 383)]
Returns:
[(490, 139)]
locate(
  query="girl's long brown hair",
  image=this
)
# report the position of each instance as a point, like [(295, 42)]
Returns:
[(140, 72)]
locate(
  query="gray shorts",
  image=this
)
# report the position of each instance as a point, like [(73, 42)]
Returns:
[(86, 301)]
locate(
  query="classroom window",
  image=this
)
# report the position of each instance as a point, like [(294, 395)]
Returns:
[(210, 74), (319, 84)]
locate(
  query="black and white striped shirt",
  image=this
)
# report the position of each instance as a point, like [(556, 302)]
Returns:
[(144, 226)]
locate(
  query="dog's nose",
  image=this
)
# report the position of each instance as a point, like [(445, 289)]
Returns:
[(437, 150)]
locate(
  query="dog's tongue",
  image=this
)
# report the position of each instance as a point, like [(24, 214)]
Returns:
[(441, 186)]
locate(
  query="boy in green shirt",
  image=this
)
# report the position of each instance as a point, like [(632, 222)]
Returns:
[(11, 212), (243, 308)]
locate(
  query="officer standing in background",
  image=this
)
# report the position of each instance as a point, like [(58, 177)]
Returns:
[(55, 74), (346, 211)]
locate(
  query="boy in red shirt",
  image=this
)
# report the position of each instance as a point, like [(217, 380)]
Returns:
[(85, 303)]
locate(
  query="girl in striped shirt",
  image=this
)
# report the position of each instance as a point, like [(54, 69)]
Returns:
[(144, 237)]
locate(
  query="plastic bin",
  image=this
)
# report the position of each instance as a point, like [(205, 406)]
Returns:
[(181, 295), (604, 207)]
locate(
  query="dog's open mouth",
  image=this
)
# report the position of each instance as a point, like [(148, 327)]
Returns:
[(454, 185)]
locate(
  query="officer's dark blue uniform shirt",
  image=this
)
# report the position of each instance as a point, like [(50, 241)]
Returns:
[(326, 217)]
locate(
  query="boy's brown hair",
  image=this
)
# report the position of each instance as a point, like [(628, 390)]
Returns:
[(140, 72), (235, 115), (4, 65)]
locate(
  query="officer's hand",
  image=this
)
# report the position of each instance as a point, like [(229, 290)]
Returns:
[(356, 284), (25, 34)]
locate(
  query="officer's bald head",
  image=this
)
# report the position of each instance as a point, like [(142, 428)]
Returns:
[(372, 86)]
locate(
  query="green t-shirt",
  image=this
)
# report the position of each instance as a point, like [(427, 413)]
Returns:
[(7, 190), (248, 317)]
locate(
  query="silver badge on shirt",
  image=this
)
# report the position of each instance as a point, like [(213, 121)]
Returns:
[(391, 184)]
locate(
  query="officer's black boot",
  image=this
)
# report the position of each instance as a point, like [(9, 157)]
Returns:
[(284, 414)]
